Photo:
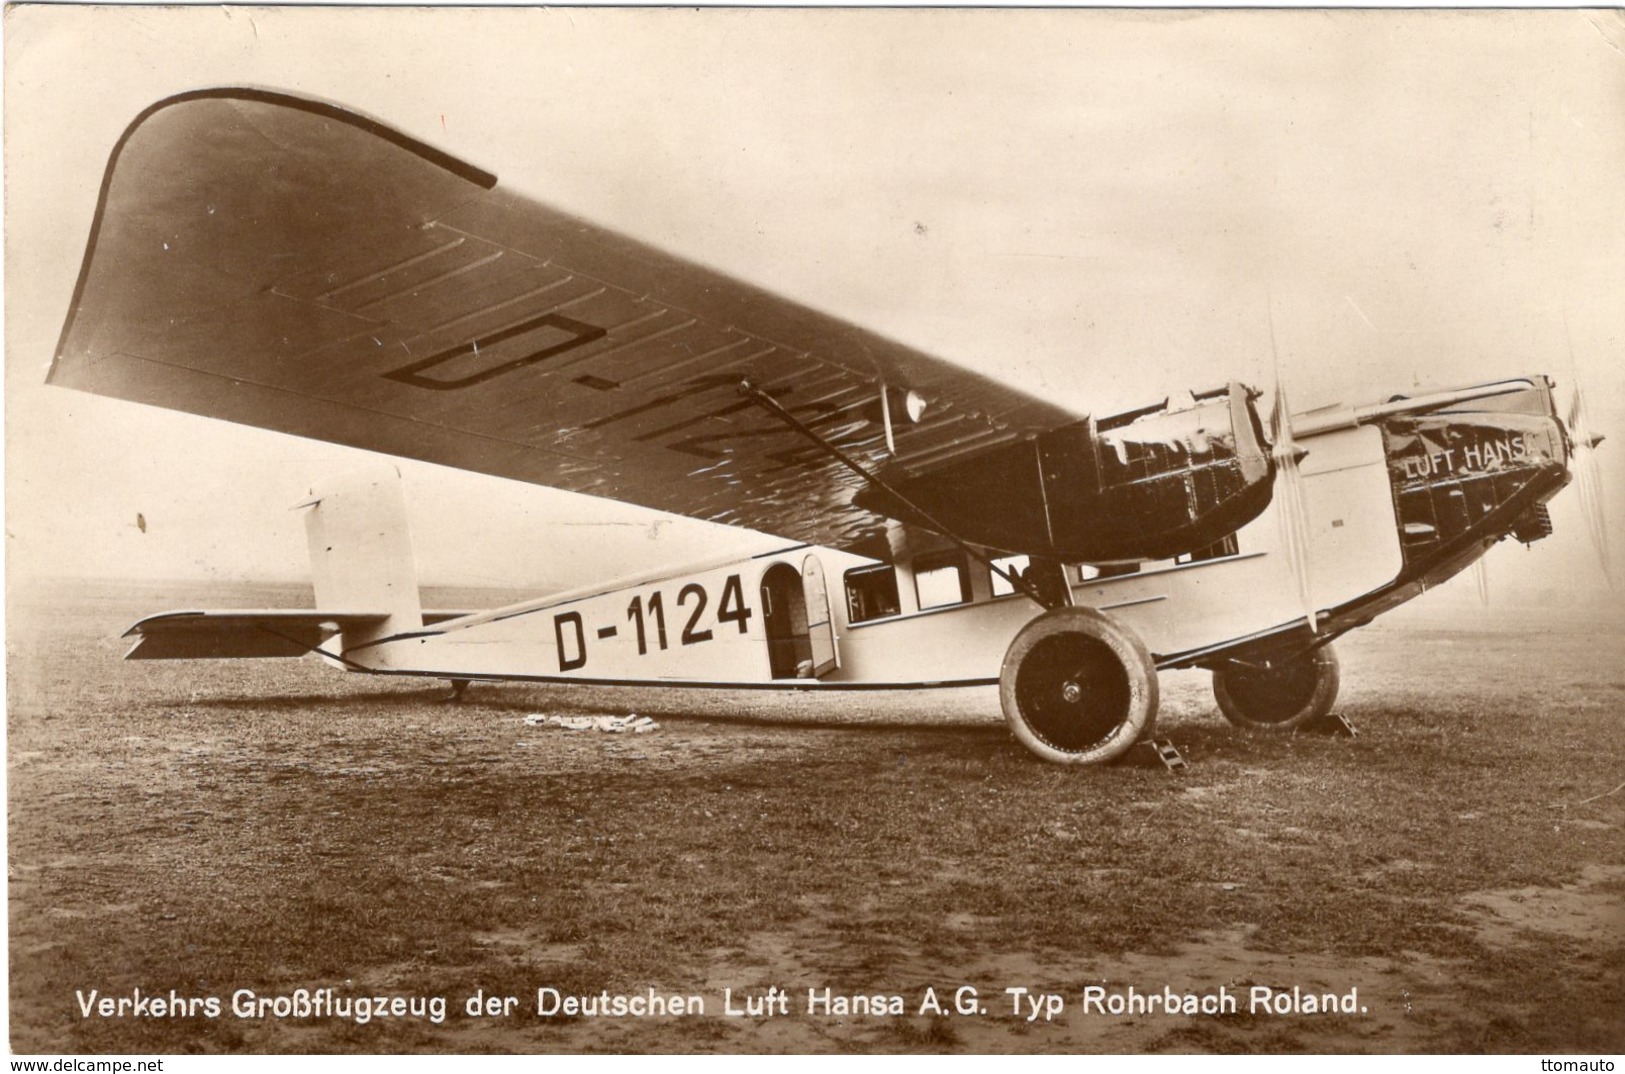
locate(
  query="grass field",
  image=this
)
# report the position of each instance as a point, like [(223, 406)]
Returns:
[(208, 827)]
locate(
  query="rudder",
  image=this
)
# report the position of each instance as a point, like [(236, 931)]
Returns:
[(361, 553)]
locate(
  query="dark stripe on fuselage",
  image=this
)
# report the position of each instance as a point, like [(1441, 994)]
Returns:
[(1422, 571), (777, 684)]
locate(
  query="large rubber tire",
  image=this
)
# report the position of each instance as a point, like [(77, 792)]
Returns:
[(1077, 688), (1282, 698)]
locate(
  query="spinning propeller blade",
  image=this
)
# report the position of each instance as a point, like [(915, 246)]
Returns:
[(1481, 576), (1587, 474), (1588, 477), (1289, 491)]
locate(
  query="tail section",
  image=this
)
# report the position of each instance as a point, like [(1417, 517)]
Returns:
[(361, 554)]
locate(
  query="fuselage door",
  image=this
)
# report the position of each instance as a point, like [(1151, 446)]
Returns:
[(820, 629)]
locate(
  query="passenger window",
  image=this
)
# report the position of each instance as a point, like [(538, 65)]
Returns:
[(1009, 565), (871, 593), (940, 579)]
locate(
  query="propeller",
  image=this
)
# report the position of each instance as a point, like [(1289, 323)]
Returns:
[(1587, 473), (1481, 575), (1289, 490)]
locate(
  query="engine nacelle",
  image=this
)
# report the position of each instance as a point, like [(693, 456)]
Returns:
[(1151, 484)]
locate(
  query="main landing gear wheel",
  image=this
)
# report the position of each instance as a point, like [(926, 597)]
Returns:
[(1077, 688), (1281, 698)]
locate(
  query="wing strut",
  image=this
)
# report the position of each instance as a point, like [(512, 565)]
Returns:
[(1016, 579)]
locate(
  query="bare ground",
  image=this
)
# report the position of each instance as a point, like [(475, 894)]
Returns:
[(206, 827)]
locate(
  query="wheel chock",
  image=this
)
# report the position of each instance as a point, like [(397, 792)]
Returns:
[(1333, 723), (1167, 754), (1152, 753)]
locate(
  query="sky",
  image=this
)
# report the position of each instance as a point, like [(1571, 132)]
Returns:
[(1099, 207)]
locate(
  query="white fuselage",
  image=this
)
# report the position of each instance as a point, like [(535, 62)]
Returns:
[(747, 623)]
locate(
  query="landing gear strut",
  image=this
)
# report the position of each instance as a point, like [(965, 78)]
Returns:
[(1077, 688), (1285, 696)]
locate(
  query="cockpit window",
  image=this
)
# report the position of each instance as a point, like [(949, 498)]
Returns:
[(1219, 549), (1088, 573)]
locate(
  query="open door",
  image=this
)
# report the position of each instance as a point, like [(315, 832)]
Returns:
[(784, 612), (795, 611), (820, 630)]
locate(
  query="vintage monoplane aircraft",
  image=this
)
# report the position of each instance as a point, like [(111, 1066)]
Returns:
[(288, 264)]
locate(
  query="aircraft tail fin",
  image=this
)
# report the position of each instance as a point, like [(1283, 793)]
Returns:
[(361, 553)]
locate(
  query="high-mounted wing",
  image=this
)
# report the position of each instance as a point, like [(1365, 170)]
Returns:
[(281, 263)]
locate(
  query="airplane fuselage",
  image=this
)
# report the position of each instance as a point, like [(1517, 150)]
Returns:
[(1395, 497)]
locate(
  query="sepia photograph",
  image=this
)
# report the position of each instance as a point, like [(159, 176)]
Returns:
[(757, 530)]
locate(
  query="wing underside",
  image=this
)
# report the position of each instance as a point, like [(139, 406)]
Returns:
[(279, 263)]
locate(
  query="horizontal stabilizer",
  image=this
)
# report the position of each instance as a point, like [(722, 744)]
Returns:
[(239, 634)]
